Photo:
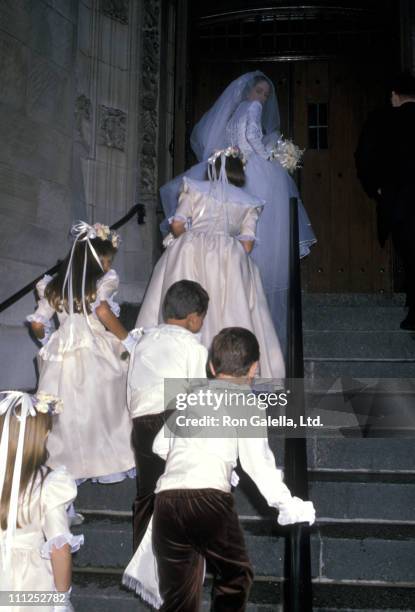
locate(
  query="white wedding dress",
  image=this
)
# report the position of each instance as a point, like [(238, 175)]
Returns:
[(269, 181), (235, 119)]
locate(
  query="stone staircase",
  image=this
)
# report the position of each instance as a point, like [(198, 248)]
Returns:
[(363, 544)]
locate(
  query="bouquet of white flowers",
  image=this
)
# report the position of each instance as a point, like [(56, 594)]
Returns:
[(287, 153)]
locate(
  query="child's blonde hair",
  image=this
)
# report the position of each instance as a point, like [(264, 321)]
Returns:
[(34, 457)]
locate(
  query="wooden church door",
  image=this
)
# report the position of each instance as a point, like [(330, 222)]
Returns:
[(323, 105), (329, 65)]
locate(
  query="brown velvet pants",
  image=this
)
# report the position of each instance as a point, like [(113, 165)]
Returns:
[(149, 468), (188, 526)]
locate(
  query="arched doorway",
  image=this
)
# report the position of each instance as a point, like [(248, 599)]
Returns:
[(329, 63)]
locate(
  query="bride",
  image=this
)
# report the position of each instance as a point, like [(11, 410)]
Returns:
[(246, 115)]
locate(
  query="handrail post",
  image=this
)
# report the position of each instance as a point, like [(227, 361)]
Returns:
[(298, 587)]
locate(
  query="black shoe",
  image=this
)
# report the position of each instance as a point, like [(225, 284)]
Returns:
[(408, 324)]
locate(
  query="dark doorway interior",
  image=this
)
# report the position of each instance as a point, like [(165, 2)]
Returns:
[(330, 65)]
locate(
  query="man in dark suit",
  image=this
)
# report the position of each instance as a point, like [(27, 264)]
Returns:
[(385, 161)]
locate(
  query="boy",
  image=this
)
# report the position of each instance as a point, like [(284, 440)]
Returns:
[(194, 514), (170, 350)]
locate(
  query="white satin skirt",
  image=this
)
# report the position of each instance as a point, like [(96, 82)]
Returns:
[(219, 263), (91, 437)]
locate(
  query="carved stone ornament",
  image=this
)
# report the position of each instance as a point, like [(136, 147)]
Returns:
[(83, 113), (116, 9), (150, 70), (112, 127)]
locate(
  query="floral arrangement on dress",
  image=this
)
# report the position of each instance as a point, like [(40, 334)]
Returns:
[(44, 403), (287, 153), (104, 232)]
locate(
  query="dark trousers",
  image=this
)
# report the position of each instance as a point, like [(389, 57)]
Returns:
[(188, 526), (403, 237), (149, 468)]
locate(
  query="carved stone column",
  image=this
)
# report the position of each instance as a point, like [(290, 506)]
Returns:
[(149, 123)]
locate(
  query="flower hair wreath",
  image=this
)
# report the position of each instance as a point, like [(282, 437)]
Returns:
[(46, 403), (99, 230), (42, 403)]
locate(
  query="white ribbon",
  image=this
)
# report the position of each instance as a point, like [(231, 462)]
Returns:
[(82, 232), (219, 183), (8, 407)]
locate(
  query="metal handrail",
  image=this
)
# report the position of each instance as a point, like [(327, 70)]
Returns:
[(298, 586), (137, 209)]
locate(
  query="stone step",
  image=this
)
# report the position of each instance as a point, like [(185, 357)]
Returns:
[(365, 455), (359, 344), (384, 316), (323, 367), (353, 318), (374, 501), (360, 454), (108, 544), (354, 552), (102, 592), (315, 300), (350, 407), (331, 311), (386, 499)]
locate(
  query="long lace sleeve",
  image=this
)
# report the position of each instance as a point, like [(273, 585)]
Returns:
[(253, 129)]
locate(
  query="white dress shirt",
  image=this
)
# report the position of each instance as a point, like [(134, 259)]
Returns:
[(163, 352), (201, 462)]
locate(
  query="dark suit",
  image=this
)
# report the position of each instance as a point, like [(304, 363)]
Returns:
[(385, 160)]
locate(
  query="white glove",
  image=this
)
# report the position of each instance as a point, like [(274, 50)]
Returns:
[(133, 337), (67, 607), (296, 510)]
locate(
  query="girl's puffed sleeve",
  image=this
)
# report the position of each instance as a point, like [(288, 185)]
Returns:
[(254, 130), (249, 223), (58, 492), (107, 288), (44, 311), (185, 208)]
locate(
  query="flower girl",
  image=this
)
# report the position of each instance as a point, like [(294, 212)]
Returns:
[(35, 541), (81, 362), (214, 228)]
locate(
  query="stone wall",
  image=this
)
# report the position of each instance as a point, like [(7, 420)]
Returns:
[(79, 124)]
